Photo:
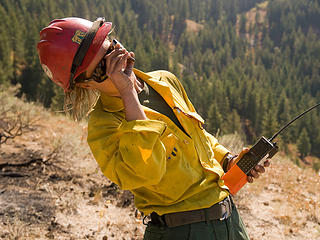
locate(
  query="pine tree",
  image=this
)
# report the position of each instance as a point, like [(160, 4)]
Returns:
[(214, 119), (243, 22), (303, 143), (269, 123), (265, 85), (232, 123)]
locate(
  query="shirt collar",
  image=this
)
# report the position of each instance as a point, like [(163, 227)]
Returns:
[(115, 104)]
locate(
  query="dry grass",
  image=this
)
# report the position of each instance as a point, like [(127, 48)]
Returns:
[(16, 229), (252, 22), (284, 202), (232, 141), (286, 198), (62, 195), (193, 27)]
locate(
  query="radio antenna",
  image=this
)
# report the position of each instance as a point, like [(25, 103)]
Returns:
[(297, 117)]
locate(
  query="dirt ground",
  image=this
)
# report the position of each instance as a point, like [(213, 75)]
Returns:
[(51, 188)]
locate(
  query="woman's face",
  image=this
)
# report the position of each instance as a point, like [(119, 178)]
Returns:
[(101, 53), (107, 85)]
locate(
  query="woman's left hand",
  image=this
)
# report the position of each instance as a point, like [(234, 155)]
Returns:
[(256, 171)]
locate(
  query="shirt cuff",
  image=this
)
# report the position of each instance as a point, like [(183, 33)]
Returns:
[(220, 152)]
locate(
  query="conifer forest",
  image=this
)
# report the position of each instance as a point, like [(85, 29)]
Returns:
[(248, 66)]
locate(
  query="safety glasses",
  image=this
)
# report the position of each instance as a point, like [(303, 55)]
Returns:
[(99, 74)]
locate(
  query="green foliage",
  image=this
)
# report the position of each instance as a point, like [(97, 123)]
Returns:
[(214, 118), (304, 145), (251, 83), (316, 165)]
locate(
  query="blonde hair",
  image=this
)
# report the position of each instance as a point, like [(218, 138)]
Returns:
[(79, 102)]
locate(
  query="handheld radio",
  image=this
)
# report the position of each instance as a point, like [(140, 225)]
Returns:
[(236, 177)]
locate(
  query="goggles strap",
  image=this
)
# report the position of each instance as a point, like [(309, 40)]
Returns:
[(83, 48)]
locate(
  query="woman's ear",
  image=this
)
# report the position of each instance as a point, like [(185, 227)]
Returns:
[(87, 85)]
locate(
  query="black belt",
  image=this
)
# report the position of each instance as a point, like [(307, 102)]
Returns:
[(219, 211)]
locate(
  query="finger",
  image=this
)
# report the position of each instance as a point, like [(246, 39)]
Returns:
[(266, 163), (250, 179), (115, 52), (243, 152), (119, 45), (120, 64), (112, 55), (130, 64), (238, 157), (132, 54), (114, 64), (254, 173), (259, 169)]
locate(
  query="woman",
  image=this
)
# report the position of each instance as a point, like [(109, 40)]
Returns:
[(144, 133)]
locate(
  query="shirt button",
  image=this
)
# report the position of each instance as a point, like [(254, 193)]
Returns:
[(186, 141)]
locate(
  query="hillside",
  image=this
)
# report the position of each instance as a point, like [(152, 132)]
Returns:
[(248, 66), (51, 187)]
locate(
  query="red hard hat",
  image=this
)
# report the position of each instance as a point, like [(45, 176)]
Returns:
[(59, 43)]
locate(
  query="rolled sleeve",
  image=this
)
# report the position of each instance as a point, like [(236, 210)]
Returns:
[(128, 153), (219, 150)]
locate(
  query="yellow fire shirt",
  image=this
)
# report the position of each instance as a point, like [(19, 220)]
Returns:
[(165, 169)]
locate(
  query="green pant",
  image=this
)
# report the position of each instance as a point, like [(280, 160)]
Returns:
[(231, 228)]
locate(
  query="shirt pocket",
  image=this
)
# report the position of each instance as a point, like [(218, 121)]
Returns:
[(170, 141)]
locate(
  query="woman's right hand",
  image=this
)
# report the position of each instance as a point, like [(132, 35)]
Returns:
[(119, 68)]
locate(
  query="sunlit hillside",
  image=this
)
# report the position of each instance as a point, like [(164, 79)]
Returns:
[(51, 187), (247, 66)]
